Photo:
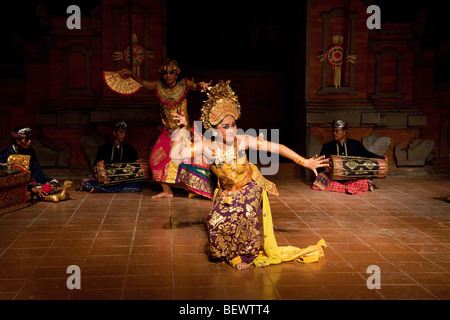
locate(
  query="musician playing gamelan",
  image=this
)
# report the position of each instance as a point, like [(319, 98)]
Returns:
[(41, 185), (113, 152), (343, 146)]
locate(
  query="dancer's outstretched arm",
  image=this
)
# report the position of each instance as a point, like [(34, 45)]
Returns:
[(149, 85), (259, 144), (200, 86)]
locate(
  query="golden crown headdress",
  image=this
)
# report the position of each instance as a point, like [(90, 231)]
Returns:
[(169, 65), (222, 101)]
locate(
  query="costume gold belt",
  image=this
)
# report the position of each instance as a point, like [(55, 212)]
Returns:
[(236, 186)]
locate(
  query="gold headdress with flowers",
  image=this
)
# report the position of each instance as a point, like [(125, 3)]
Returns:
[(169, 65), (222, 101)]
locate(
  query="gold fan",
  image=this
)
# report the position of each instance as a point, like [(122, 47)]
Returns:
[(120, 84)]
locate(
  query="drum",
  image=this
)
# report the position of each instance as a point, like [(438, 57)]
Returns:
[(351, 168), (122, 172)]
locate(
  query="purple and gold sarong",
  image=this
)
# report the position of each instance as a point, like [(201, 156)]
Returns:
[(233, 228)]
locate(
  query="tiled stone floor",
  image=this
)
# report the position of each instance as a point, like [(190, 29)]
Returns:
[(129, 246)]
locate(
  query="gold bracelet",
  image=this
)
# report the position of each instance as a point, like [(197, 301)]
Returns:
[(299, 160), (192, 150), (258, 143)]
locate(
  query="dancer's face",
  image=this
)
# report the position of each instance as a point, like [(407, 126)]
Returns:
[(170, 78), (227, 128)]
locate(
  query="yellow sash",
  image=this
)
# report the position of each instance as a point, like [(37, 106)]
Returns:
[(273, 254)]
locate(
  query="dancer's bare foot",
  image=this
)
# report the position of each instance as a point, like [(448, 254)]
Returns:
[(93, 190), (163, 195), (166, 193), (242, 266)]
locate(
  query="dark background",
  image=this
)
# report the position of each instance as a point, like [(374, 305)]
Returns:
[(213, 35)]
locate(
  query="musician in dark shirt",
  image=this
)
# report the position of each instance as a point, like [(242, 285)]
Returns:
[(115, 151), (21, 144), (343, 146)]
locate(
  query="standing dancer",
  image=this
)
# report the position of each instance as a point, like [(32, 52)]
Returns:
[(172, 96), (241, 195)]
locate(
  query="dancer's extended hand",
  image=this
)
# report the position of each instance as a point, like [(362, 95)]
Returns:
[(180, 119), (204, 86), (126, 72), (316, 162)]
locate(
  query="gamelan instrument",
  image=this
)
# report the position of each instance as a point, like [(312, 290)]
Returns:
[(351, 168), (122, 172)]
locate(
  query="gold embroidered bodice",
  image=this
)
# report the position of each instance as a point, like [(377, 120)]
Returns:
[(167, 116), (172, 100), (235, 174)]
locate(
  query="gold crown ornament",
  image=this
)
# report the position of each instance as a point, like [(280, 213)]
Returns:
[(222, 101), (169, 65)]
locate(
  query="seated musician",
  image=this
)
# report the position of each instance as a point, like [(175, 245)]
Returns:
[(41, 185), (343, 146), (112, 152)]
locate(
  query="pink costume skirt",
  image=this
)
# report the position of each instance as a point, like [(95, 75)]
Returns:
[(196, 177)]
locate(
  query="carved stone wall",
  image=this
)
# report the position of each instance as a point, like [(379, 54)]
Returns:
[(376, 94), (79, 103)]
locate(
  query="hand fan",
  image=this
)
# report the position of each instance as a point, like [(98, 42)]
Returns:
[(121, 84)]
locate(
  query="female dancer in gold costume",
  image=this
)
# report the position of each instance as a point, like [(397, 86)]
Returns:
[(172, 96), (242, 191)]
